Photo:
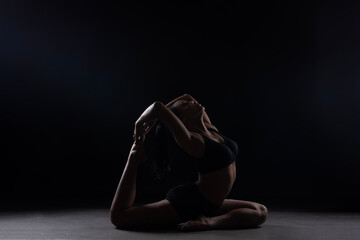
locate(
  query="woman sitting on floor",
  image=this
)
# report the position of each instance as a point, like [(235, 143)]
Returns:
[(201, 205)]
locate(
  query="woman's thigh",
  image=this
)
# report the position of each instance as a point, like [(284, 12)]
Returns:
[(152, 215)]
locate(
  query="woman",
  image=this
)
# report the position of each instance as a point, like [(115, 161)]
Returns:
[(198, 206)]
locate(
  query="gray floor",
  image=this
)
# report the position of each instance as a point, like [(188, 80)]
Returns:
[(94, 224)]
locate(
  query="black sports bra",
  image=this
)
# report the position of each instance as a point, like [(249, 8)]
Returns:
[(217, 155)]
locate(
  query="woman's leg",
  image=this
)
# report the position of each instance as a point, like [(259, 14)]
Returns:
[(126, 190), (233, 214), (123, 214)]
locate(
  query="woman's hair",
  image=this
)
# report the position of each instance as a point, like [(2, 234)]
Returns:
[(157, 148)]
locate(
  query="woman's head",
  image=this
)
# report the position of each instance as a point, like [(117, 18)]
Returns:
[(187, 111)]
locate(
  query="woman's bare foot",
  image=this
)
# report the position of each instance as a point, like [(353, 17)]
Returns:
[(199, 224)]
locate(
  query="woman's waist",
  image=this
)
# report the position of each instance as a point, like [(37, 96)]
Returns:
[(214, 194), (221, 178), (216, 184), (215, 190)]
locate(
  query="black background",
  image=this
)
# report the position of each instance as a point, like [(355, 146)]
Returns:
[(280, 78)]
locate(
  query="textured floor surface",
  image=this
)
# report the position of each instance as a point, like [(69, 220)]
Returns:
[(94, 224)]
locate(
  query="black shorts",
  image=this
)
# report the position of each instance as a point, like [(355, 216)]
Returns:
[(189, 203)]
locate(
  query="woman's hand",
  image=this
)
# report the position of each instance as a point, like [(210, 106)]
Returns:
[(140, 133), (145, 122)]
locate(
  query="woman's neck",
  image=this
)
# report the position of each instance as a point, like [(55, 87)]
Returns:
[(197, 127)]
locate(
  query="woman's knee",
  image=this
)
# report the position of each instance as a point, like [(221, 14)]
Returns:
[(119, 219), (262, 214)]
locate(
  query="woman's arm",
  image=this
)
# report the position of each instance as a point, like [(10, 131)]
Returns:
[(191, 143)]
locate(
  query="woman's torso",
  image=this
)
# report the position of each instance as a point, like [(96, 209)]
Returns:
[(216, 185)]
